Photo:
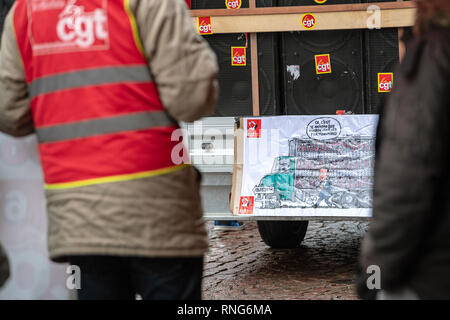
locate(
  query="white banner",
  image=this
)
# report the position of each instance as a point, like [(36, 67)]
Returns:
[(308, 166)]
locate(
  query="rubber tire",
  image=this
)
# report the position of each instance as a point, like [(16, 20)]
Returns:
[(282, 234)]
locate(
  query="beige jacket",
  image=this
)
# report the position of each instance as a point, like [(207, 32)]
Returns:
[(151, 217)]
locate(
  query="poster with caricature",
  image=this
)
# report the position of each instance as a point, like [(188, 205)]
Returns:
[(308, 165)]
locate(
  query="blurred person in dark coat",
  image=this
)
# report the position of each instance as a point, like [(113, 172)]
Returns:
[(409, 236), (4, 267)]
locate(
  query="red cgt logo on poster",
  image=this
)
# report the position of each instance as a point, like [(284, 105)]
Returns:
[(246, 205), (254, 128)]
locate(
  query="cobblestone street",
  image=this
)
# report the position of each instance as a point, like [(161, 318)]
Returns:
[(240, 266)]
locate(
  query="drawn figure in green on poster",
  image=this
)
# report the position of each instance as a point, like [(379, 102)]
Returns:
[(282, 177)]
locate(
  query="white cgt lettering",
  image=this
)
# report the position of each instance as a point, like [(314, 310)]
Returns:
[(386, 86), (323, 67), (308, 23), (205, 28), (239, 60), (83, 29), (233, 4)]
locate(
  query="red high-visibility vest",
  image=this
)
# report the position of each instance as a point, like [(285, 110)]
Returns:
[(96, 110)]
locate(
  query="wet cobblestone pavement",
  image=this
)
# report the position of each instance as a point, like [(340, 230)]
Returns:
[(240, 266)]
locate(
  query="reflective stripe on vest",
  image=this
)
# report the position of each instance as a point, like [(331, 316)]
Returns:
[(91, 77), (118, 178), (88, 128)]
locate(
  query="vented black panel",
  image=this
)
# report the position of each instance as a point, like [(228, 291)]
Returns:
[(311, 93), (381, 56), (235, 82)]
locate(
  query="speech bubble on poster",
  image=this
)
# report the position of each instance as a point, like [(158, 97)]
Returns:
[(323, 129)]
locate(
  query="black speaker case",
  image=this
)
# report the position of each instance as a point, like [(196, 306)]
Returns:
[(381, 56), (235, 82), (311, 93)]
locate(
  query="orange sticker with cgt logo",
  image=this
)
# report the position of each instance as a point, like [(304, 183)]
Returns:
[(204, 25), (308, 21), (323, 63), (238, 56), (246, 205), (233, 4), (385, 82)]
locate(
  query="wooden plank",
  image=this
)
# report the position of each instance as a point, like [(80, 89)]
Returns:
[(255, 73), (301, 9), (390, 18), (401, 47), (254, 68), (236, 187)]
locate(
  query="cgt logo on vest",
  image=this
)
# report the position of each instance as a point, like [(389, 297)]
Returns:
[(238, 56), (308, 21), (80, 27), (385, 82), (233, 4), (204, 25), (323, 64)]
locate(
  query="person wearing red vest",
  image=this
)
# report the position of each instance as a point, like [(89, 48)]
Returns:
[(103, 84)]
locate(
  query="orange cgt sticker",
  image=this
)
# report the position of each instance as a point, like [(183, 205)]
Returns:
[(238, 56), (204, 25), (308, 21), (385, 82), (323, 64)]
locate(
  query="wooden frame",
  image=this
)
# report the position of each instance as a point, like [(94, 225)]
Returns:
[(329, 17), (255, 64), (238, 166), (395, 14)]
